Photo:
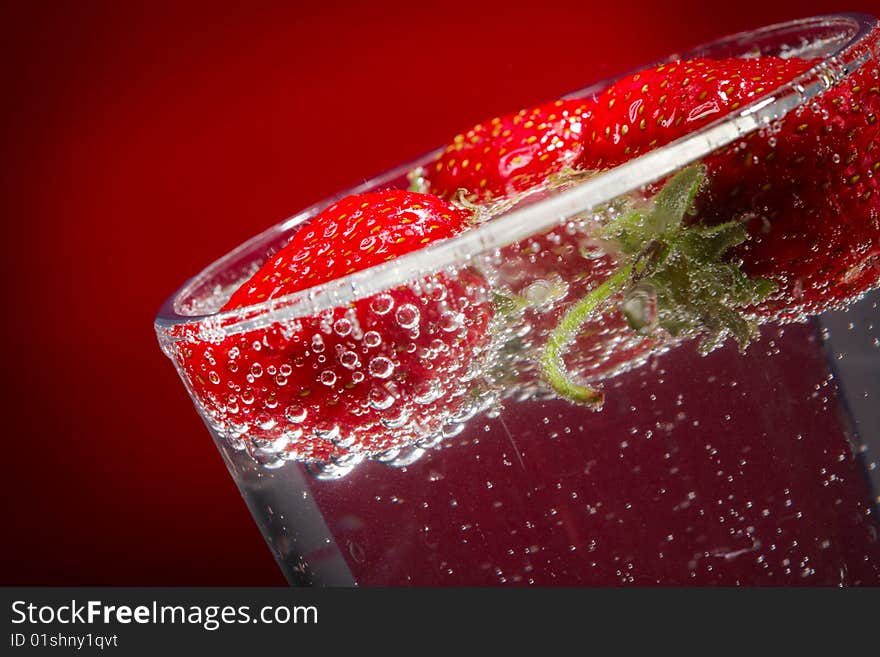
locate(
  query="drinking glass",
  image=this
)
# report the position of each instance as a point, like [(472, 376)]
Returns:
[(737, 466)]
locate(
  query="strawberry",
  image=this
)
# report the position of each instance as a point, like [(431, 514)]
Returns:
[(793, 207), (508, 154), (807, 186), (500, 158), (355, 381), (658, 105), (640, 112)]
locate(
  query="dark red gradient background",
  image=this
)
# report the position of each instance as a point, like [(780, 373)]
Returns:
[(141, 140)]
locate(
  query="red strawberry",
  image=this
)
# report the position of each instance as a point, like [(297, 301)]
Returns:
[(805, 188), (797, 204), (638, 113), (509, 154), (502, 157), (807, 185), (658, 105), (353, 381)]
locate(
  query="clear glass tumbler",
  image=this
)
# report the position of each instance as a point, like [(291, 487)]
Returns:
[(707, 463)]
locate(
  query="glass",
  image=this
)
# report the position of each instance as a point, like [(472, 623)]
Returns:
[(734, 467)]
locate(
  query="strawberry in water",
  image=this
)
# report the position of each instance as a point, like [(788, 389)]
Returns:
[(793, 207), (509, 154), (363, 380), (500, 159), (638, 113), (806, 186), (789, 217), (658, 105)]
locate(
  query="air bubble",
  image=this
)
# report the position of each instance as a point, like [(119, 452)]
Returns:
[(407, 456), (380, 398), (329, 471), (407, 316), (328, 378), (381, 367), (268, 460), (452, 429), (328, 431), (640, 306), (265, 422), (296, 413), (451, 321), (382, 304), (395, 421), (372, 339), (436, 292), (342, 327), (346, 441), (349, 359), (426, 393)]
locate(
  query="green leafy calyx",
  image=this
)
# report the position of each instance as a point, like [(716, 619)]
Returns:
[(673, 276)]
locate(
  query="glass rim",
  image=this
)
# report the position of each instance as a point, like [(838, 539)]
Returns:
[(545, 214)]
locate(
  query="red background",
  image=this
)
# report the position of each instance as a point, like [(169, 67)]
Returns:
[(143, 140)]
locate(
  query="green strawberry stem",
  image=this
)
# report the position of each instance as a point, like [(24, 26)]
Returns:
[(680, 266), (551, 361)]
